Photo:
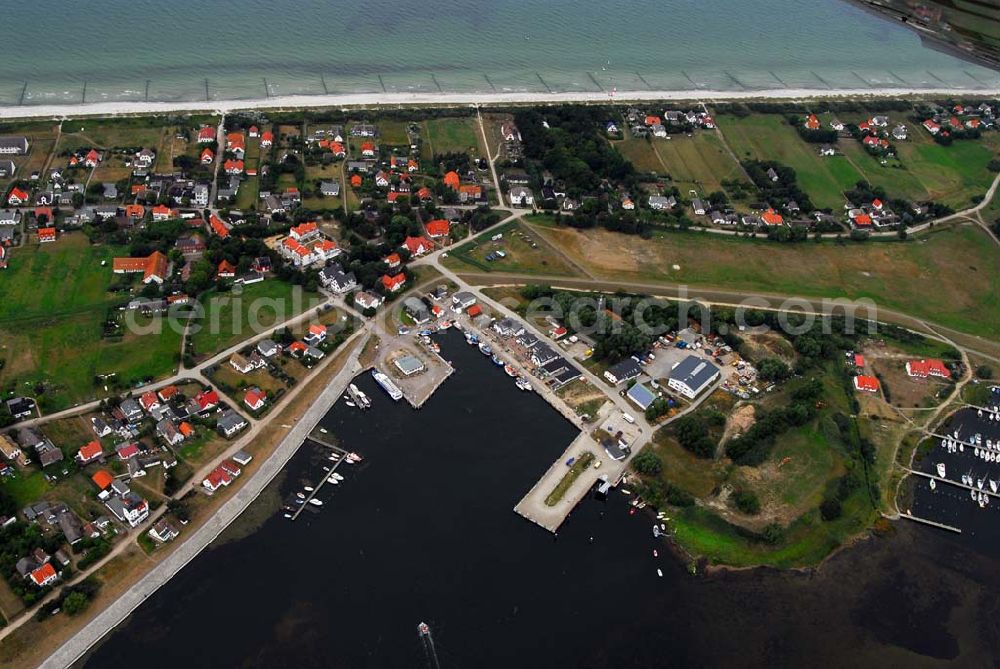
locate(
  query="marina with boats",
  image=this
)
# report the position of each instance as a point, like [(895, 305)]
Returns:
[(957, 479)]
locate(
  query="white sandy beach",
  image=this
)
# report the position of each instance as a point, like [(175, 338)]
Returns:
[(370, 100)]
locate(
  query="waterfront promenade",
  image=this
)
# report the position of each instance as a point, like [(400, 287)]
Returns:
[(107, 619)]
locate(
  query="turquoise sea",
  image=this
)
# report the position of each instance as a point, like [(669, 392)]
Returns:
[(68, 51)]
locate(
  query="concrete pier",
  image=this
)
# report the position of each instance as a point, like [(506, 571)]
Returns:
[(533, 507)]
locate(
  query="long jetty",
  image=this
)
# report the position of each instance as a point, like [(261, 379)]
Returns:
[(326, 477)]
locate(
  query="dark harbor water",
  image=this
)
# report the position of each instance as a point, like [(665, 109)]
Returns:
[(424, 530)]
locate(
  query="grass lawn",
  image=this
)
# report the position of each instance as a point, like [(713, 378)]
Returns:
[(516, 243), (230, 318), (949, 277), (50, 325), (391, 132), (769, 137), (453, 135), (247, 197), (639, 151), (26, 486)]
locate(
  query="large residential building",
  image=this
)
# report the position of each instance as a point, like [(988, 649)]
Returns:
[(152, 267)]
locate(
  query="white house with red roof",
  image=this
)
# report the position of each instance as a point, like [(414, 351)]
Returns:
[(417, 246), (149, 401), (89, 452), (393, 284), (267, 139), (921, 369), (866, 384), (206, 135), (207, 399), (44, 575), (439, 227), (18, 196), (255, 398)]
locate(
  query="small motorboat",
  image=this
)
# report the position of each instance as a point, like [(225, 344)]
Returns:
[(933, 484), (333, 481), (308, 488), (323, 430), (354, 456), (350, 403), (288, 515), (485, 349), (339, 477), (316, 502), (511, 372), (659, 572), (656, 553), (300, 495)]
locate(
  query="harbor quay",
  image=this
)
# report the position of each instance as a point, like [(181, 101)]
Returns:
[(414, 365)]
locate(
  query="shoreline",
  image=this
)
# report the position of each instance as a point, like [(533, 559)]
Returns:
[(348, 100)]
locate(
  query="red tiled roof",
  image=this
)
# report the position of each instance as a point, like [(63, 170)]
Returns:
[(438, 227), (90, 451), (304, 229), (418, 245), (452, 180), (393, 283), (868, 384), (218, 227), (206, 399), (102, 478), (186, 429), (47, 233), (859, 360), (168, 392), (254, 397), (924, 368), (17, 194), (474, 310), (226, 269), (43, 573), (392, 259), (771, 217), (127, 451), (153, 265)]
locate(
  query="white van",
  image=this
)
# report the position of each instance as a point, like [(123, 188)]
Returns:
[(628, 418)]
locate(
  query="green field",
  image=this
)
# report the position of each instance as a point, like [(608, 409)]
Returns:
[(923, 170), (452, 135), (230, 318), (949, 277), (699, 162), (769, 137), (516, 243), (50, 325)]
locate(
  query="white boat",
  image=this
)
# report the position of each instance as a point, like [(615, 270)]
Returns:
[(288, 515), (300, 495), (323, 430), (308, 488), (941, 469), (979, 483), (993, 486), (387, 385), (333, 481), (659, 572), (350, 403), (961, 447), (354, 456), (339, 477), (316, 502), (933, 484)]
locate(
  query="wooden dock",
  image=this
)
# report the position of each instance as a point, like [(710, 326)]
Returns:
[(957, 484), (319, 486), (932, 523)]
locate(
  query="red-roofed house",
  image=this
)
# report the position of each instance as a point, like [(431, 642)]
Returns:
[(236, 143), (253, 131), (46, 235), (392, 284), (474, 311), (218, 227), (225, 270), (392, 260), (297, 348), (932, 127), (92, 158), (89, 453), (812, 123), (162, 212), (134, 211), (149, 401), (43, 211), (303, 231), (216, 479), (233, 166), (870, 140), (877, 204), (126, 451), (267, 139), (255, 398), (452, 180), (153, 267), (425, 194), (337, 149), (17, 196), (207, 399), (862, 221), (356, 181), (654, 120), (102, 479), (186, 429), (867, 384), (921, 369), (44, 575), (207, 156), (368, 149), (438, 228), (168, 393), (859, 360), (418, 245), (206, 135), (771, 217)]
